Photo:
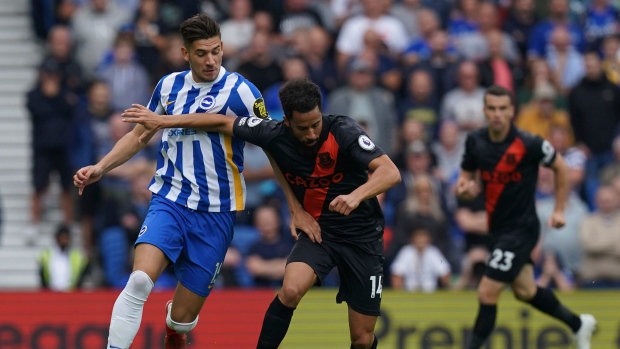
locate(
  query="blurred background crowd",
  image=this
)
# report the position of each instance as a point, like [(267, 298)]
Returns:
[(411, 72)]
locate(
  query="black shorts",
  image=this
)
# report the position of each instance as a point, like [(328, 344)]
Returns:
[(360, 266), (48, 161), (509, 253)]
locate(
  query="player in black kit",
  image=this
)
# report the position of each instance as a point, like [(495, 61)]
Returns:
[(326, 162), (506, 160)]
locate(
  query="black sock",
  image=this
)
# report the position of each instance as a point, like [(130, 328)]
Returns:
[(275, 324), (374, 343), (545, 301), (373, 346), (484, 325)]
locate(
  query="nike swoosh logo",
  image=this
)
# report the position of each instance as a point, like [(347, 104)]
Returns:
[(170, 102)]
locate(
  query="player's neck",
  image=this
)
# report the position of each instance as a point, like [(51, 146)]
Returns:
[(498, 137)]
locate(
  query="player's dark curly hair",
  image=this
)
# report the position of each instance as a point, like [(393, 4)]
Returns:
[(199, 27), (498, 91), (300, 95)]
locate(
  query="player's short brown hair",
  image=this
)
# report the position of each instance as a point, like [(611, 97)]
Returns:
[(199, 27), (300, 95), (499, 91)]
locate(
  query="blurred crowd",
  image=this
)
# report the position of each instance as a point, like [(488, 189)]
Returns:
[(411, 72)]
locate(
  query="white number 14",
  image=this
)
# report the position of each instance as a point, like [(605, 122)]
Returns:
[(376, 288)]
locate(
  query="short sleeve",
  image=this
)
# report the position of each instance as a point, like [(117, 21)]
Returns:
[(155, 102), (543, 152), (359, 146), (468, 163), (256, 130), (252, 101)]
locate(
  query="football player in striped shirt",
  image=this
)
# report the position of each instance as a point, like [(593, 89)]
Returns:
[(325, 162), (197, 188)]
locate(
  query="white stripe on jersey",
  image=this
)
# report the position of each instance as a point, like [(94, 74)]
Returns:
[(213, 182)]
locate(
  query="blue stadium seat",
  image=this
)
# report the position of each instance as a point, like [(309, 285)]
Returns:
[(245, 236)]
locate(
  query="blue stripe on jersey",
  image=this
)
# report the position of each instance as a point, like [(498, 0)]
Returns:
[(186, 186), (160, 162), (220, 168), (235, 104), (219, 158), (179, 81), (253, 88), (155, 99), (167, 178), (200, 173)]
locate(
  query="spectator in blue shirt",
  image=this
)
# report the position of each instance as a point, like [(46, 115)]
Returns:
[(463, 20), (420, 48), (601, 21), (266, 259), (540, 36)]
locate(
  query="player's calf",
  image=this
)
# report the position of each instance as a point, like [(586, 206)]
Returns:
[(545, 301), (127, 311)]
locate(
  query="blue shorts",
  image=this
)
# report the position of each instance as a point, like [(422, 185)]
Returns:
[(195, 241)]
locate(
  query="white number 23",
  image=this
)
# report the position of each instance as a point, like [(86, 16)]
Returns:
[(501, 260)]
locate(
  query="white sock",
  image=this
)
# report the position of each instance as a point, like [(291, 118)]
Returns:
[(127, 312), (180, 327)]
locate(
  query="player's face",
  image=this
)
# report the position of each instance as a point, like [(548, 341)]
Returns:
[(205, 58), (306, 127), (499, 112)]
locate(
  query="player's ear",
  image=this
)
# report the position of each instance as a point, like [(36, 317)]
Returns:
[(287, 122), (185, 53)]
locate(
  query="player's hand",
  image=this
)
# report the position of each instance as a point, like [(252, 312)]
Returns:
[(87, 175), (302, 221), (344, 204), (142, 115), (467, 189), (557, 220)]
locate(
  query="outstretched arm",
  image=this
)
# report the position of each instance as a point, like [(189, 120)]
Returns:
[(384, 176), (557, 219), (152, 122), (300, 218), (123, 150)]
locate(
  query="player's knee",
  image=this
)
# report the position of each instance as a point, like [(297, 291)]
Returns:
[(362, 339), (290, 295), (523, 294), (139, 285), (487, 295)]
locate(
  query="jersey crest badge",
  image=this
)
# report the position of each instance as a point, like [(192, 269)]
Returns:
[(365, 143), (207, 103), (259, 108), (253, 121), (143, 230), (325, 160)]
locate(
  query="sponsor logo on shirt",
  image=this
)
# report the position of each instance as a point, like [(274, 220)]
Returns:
[(314, 182), (501, 177), (259, 108)]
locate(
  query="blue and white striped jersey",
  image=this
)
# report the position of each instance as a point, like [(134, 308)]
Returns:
[(196, 169)]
